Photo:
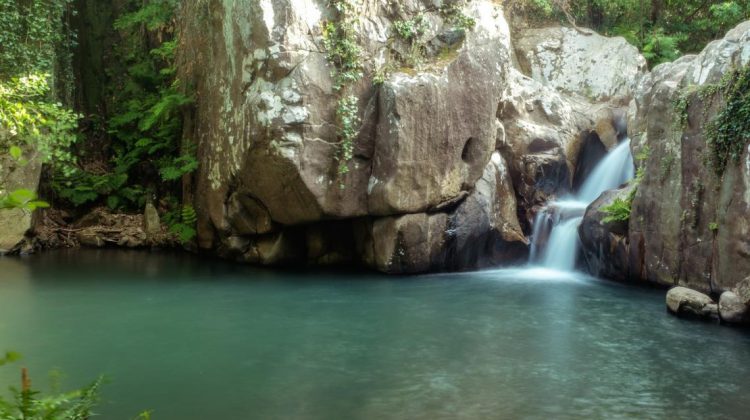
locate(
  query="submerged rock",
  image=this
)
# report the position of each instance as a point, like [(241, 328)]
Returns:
[(684, 301)]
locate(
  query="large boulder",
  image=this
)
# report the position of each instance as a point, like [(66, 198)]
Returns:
[(688, 302), (688, 225), (482, 230), (581, 62)]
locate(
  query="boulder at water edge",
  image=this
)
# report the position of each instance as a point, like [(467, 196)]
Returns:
[(732, 310), (687, 302)]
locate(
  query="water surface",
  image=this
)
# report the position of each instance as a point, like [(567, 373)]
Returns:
[(202, 339)]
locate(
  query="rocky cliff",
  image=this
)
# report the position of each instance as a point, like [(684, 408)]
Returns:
[(461, 131), (689, 222)]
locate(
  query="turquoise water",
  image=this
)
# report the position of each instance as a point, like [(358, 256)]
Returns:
[(201, 339)]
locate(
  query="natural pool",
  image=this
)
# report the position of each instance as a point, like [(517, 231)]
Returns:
[(203, 339)]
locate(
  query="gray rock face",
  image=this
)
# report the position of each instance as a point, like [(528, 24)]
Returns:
[(447, 152), (688, 226), (482, 231), (732, 310), (688, 302), (571, 61), (742, 289)]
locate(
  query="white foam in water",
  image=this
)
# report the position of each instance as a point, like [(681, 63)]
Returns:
[(561, 248)]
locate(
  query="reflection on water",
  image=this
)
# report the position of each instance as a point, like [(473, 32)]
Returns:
[(194, 338)]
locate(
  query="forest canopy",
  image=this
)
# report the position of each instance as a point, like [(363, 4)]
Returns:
[(662, 29)]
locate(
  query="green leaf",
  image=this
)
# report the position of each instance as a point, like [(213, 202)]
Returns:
[(15, 152), (9, 357), (113, 202)]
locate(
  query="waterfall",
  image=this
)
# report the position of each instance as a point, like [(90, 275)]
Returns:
[(562, 248), (614, 170), (555, 241)]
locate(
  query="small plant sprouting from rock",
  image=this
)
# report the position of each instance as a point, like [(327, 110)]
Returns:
[(453, 13), (619, 210), (713, 227), (411, 32)]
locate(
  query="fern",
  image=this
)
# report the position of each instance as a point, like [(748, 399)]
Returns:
[(619, 210), (182, 224)]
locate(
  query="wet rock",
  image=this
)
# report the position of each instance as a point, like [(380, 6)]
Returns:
[(413, 243), (480, 231), (732, 310), (274, 249), (248, 216), (688, 302)]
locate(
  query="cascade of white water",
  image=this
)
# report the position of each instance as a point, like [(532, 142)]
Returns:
[(614, 170), (562, 248), (555, 240)]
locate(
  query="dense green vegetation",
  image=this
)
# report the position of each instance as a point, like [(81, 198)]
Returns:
[(662, 29), (34, 125), (143, 157), (144, 123)]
